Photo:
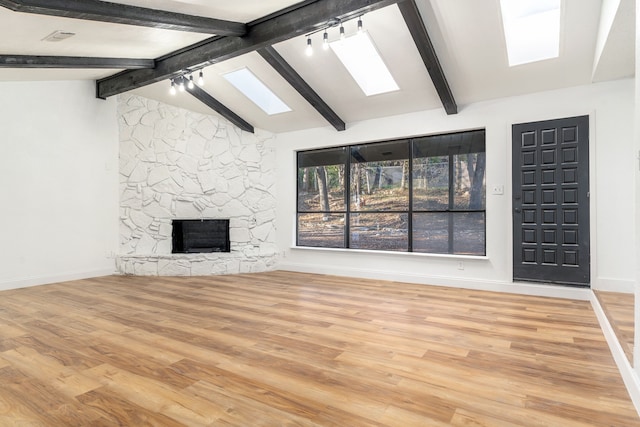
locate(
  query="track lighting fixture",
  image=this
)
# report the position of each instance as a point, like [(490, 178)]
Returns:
[(325, 35), (185, 80)]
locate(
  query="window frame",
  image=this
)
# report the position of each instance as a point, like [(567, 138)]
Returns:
[(347, 212)]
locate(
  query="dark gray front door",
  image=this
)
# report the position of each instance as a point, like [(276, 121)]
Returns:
[(551, 201)]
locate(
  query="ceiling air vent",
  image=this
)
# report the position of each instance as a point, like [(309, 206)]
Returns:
[(58, 36)]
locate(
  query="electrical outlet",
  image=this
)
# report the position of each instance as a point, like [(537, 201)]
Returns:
[(460, 265), (498, 190)]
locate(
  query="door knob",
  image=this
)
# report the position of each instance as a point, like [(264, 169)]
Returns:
[(518, 210)]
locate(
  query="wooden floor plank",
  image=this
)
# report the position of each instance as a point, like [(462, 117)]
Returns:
[(619, 309), (119, 411), (295, 349)]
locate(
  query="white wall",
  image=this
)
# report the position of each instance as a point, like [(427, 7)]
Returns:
[(610, 106), (635, 153), (59, 172), (59, 182), (608, 13)]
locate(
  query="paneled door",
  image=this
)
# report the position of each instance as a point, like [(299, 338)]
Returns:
[(551, 201)]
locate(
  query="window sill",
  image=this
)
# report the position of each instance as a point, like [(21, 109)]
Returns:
[(397, 253)]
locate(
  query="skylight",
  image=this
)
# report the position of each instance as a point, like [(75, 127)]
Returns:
[(362, 60), (247, 83), (531, 29)]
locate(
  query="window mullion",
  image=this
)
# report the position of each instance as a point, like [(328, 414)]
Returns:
[(410, 210), (347, 201), (452, 193)]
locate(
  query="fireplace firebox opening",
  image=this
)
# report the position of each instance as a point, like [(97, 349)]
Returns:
[(200, 236)]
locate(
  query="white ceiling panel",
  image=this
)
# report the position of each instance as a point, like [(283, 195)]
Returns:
[(302, 115), (467, 36), (236, 10), (328, 77), (22, 34), (477, 66), (617, 57)]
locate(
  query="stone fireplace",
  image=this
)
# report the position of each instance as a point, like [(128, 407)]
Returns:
[(177, 164)]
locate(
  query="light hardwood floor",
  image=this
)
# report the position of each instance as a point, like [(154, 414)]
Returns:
[(619, 309), (293, 349)]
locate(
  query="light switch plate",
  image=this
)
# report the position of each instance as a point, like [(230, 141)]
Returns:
[(497, 190)]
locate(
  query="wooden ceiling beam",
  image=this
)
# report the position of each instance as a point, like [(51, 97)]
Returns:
[(202, 96), (298, 83), (283, 25), (116, 13), (420, 35), (31, 61)]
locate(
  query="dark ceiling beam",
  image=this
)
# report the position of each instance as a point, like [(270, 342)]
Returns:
[(103, 11), (418, 31), (220, 108), (298, 83), (290, 23), (30, 61)]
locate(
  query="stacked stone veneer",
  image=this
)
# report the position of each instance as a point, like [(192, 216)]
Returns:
[(180, 164)]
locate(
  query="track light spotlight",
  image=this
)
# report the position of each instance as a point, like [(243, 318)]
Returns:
[(185, 81), (325, 40), (360, 24), (309, 50), (342, 35)]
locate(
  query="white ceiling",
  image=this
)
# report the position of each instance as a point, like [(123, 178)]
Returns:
[(235, 10), (467, 36)]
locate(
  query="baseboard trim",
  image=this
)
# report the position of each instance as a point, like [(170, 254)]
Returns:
[(44, 280), (522, 288), (629, 375)]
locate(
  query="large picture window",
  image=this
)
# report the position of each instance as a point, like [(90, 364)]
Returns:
[(423, 194)]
